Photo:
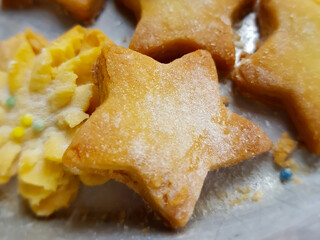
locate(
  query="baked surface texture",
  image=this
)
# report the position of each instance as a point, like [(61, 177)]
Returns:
[(168, 29), (285, 70), (160, 129)]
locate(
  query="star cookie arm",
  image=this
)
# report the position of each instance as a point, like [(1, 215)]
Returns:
[(285, 69), (246, 138), (169, 29)]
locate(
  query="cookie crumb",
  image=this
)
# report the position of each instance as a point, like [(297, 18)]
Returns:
[(244, 55), (225, 100), (244, 190), (283, 149), (297, 181), (145, 230), (257, 196), (124, 40), (240, 199), (244, 195), (237, 37), (222, 196), (290, 163)]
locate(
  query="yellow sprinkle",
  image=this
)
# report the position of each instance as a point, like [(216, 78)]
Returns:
[(18, 132), (27, 120)]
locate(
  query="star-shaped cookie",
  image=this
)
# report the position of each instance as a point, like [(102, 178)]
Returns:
[(168, 29), (286, 68), (160, 129)]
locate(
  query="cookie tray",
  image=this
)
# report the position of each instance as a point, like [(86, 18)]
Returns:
[(112, 211)]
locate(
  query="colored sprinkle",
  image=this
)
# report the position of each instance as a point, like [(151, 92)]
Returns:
[(27, 120), (38, 125), (11, 102), (285, 174), (18, 132)]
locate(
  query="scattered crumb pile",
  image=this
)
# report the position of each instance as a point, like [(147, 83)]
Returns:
[(244, 195), (283, 149), (257, 196)]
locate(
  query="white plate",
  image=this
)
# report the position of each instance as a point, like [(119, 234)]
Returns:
[(112, 211)]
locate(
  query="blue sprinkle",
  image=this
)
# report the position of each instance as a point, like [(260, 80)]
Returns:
[(285, 174), (38, 125)]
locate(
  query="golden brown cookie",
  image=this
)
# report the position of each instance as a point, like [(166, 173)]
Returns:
[(45, 94), (286, 68), (168, 29), (160, 129), (82, 10)]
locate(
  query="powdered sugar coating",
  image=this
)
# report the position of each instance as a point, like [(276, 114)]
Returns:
[(285, 69), (168, 29), (161, 128)]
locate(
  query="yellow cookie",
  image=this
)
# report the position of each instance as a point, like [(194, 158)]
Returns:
[(168, 29), (160, 129), (286, 68), (46, 90)]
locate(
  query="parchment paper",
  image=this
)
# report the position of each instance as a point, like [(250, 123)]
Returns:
[(112, 211)]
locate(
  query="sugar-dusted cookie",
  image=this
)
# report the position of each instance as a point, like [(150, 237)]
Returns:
[(286, 68), (168, 29), (45, 94), (160, 129), (82, 10)]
